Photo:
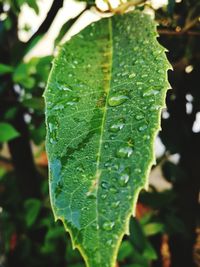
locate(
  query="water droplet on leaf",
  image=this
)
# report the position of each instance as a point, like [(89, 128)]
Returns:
[(139, 117), (125, 152), (132, 75), (123, 179), (117, 100), (104, 196), (142, 128), (116, 127), (108, 226), (104, 185), (115, 204)]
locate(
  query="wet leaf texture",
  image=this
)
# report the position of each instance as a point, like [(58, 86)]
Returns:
[(103, 103)]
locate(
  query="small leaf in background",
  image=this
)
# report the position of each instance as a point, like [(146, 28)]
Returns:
[(149, 252), (32, 43), (65, 27), (8, 23), (153, 228), (36, 103), (34, 5), (5, 69), (146, 218), (125, 251), (31, 3), (43, 67), (2, 172), (7, 132), (10, 113), (103, 104), (38, 133), (32, 209), (22, 75), (54, 233), (137, 237)]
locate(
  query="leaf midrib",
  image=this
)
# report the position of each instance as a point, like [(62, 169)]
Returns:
[(107, 88)]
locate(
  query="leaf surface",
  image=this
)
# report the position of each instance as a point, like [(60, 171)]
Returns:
[(103, 103)]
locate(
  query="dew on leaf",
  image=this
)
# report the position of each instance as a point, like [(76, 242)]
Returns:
[(150, 92), (64, 88), (53, 127), (59, 107), (80, 169), (117, 100), (146, 137), (139, 117), (72, 103), (115, 204), (106, 145), (104, 185), (116, 127), (125, 73), (144, 75), (125, 152), (138, 170), (123, 179), (104, 196), (142, 128), (112, 137), (108, 226), (132, 75), (109, 242), (91, 195), (113, 190)]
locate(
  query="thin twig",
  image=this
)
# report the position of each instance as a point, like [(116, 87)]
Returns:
[(176, 33), (190, 24), (44, 27)]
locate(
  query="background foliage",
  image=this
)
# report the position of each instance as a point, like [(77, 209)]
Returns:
[(166, 228)]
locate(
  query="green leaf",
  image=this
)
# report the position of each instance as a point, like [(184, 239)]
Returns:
[(5, 69), (125, 251), (7, 132), (34, 5), (36, 103), (137, 237), (32, 209), (22, 75), (10, 113), (65, 27), (103, 105), (149, 252), (153, 228), (2, 173)]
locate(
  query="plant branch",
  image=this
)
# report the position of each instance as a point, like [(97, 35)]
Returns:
[(190, 24), (176, 33), (44, 27)]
